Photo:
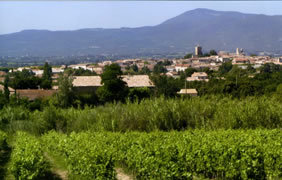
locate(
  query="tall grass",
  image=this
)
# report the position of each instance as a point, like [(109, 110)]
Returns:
[(210, 113)]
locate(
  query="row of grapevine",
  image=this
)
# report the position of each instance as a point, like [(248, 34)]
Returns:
[(27, 158), (217, 154), (232, 154), (87, 156)]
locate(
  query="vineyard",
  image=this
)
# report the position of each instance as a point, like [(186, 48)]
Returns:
[(186, 138), (221, 154)]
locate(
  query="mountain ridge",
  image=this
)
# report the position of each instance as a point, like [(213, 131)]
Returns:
[(220, 30)]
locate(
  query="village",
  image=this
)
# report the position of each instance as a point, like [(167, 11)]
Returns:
[(172, 68)]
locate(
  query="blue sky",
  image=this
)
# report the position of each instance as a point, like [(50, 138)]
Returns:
[(70, 15)]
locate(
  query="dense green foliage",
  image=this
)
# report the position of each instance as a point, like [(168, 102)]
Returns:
[(114, 88), (214, 112), (46, 82), (213, 52), (90, 157), (79, 72), (3, 138), (232, 154), (240, 83), (27, 159), (166, 86), (160, 67), (187, 56), (65, 96), (24, 80), (6, 88)]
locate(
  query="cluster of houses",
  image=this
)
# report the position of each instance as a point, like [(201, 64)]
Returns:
[(91, 83)]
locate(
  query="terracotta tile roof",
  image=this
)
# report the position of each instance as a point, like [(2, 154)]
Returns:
[(2, 88), (198, 74), (33, 94), (188, 91), (138, 81), (95, 81), (182, 65), (86, 81), (2, 73)]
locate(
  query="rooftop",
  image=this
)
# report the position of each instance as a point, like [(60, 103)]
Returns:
[(33, 94), (95, 81), (187, 91)]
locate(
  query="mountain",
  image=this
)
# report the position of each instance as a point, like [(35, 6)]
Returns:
[(211, 29)]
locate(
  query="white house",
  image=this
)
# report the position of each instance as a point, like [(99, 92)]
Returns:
[(198, 76)]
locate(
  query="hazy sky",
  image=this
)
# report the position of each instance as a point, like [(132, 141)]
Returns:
[(70, 15)]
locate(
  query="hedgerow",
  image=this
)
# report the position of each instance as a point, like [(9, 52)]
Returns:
[(213, 112)]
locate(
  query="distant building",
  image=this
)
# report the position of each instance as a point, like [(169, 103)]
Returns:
[(96, 69), (237, 51), (86, 84), (78, 66), (91, 83), (240, 61), (181, 67), (223, 53), (173, 74), (12, 91), (57, 70), (32, 94), (191, 92), (198, 76), (223, 59), (37, 72), (198, 50), (3, 73)]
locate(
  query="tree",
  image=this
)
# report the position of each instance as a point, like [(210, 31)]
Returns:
[(137, 94), (167, 63), (83, 72), (65, 94), (134, 68), (251, 69), (166, 86), (114, 88), (159, 68), (270, 68), (213, 52), (145, 70), (6, 88), (47, 77), (47, 71), (187, 56), (24, 80), (225, 68), (189, 71)]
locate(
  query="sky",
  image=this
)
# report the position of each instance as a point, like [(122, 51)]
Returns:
[(71, 15)]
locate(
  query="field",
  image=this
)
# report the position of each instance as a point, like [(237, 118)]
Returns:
[(222, 154), (190, 138)]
